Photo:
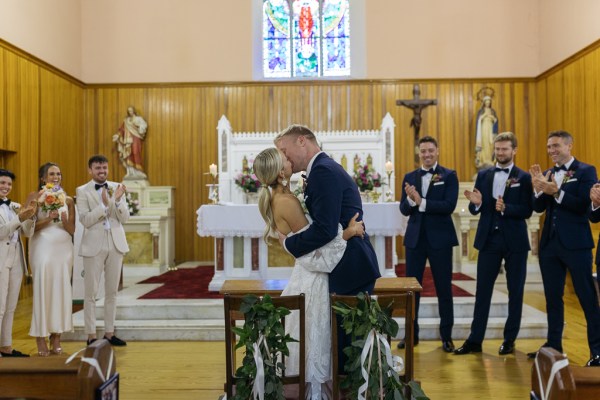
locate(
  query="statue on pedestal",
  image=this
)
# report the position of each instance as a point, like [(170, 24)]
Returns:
[(487, 129), (129, 139)]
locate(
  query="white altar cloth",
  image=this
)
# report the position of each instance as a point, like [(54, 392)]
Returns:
[(383, 221)]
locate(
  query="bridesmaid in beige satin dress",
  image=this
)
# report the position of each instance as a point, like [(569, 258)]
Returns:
[(51, 260)]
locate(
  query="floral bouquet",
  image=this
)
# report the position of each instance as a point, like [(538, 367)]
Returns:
[(367, 178), (132, 204), (53, 197), (247, 181)]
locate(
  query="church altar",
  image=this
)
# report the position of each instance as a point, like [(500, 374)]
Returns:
[(240, 251)]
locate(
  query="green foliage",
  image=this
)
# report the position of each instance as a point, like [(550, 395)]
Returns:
[(358, 322), (261, 317)]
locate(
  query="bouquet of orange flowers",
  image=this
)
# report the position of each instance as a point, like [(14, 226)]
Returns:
[(53, 197)]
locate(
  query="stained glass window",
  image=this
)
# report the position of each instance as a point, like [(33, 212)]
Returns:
[(306, 38)]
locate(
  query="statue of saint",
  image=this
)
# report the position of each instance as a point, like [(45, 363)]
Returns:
[(129, 141), (487, 129)]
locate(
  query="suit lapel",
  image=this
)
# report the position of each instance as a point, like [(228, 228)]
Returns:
[(489, 182), (513, 174), (419, 182)]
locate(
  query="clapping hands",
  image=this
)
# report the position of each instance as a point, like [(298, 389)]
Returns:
[(543, 183)]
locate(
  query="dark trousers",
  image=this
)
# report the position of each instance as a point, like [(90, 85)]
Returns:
[(488, 266), (555, 259), (343, 339), (440, 261)]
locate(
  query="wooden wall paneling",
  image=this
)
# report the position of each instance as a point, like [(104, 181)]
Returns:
[(554, 99), (591, 105), (573, 106), (3, 83), (61, 117), (22, 121), (537, 142)]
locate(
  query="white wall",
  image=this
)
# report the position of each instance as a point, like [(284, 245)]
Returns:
[(48, 29), (127, 41), (566, 26)]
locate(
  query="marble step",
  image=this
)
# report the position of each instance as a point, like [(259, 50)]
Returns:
[(532, 326)]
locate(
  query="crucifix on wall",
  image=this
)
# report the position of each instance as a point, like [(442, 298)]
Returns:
[(417, 105)]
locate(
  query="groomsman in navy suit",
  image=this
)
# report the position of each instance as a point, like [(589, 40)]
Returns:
[(503, 197), (429, 198), (563, 192), (595, 217)]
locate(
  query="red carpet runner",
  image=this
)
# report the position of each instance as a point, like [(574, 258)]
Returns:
[(192, 283)]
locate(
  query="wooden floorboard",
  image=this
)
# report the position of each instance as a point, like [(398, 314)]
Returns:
[(195, 370)]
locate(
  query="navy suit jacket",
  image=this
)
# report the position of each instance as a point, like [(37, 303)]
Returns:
[(571, 215), (436, 221), (332, 198), (518, 201), (595, 217)]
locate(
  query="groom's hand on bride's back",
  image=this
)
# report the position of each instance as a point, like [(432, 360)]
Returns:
[(355, 228)]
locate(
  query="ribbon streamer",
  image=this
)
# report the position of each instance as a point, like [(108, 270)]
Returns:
[(258, 388), (394, 362), (557, 366), (94, 363)]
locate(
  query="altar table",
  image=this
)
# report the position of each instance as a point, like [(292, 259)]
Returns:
[(240, 252)]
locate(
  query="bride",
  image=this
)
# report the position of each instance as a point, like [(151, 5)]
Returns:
[(283, 212)]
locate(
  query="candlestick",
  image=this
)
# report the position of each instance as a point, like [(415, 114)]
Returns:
[(389, 167), (212, 169)]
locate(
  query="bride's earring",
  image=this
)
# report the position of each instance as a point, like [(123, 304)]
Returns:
[(284, 182)]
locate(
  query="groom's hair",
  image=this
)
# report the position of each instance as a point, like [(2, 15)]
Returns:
[(428, 139), (296, 130), (5, 172), (97, 159)]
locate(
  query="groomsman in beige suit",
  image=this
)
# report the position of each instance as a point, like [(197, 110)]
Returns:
[(102, 211), (14, 220)]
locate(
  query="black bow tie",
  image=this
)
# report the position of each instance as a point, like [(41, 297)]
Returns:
[(557, 168), (7, 202), (98, 186), (498, 169), (427, 171)]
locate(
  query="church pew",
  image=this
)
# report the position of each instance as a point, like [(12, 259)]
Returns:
[(51, 378), (572, 382)]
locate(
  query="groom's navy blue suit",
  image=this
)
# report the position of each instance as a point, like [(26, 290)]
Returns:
[(567, 243), (501, 235), (431, 235), (332, 198)]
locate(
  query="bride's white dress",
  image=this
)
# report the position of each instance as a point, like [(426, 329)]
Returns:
[(51, 260), (311, 277)]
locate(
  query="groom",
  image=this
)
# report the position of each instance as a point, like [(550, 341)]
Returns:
[(332, 198)]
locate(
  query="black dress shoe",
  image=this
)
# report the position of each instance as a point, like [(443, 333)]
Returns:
[(115, 341), (593, 362), (90, 341), (14, 353), (402, 343), (448, 346), (507, 347), (468, 347)]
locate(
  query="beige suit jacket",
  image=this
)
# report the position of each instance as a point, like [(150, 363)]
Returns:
[(92, 215), (7, 228)]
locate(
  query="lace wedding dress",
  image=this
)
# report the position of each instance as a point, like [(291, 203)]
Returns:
[(311, 277)]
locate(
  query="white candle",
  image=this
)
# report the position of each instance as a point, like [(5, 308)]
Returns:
[(212, 168), (389, 167)]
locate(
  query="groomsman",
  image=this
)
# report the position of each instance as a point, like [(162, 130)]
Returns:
[(503, 196), (595, 217), (563, 192), (429, 197), (102, 210), (14, 220)]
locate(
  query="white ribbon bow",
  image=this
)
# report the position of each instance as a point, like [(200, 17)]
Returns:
[(394, 362), (557, 366), (94, 363), (258, 388)]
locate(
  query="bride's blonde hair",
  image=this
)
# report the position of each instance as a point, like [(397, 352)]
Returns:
[(267, 166)]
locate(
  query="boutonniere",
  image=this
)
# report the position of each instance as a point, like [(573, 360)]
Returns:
[(511, 181), (436, 178), (15, 207), (568, 175), (111, 191)]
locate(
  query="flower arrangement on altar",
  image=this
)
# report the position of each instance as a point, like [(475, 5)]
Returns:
[(132, 204), (367, 178), (53, 197), (246, 179)]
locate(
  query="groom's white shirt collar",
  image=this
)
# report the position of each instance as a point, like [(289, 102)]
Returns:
[(310, 163)]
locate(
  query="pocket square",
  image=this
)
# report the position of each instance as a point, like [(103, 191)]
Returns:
[(515, 185), (438, 183), (571, 180)]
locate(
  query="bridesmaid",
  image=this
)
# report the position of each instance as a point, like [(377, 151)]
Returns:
[(51, 260)]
